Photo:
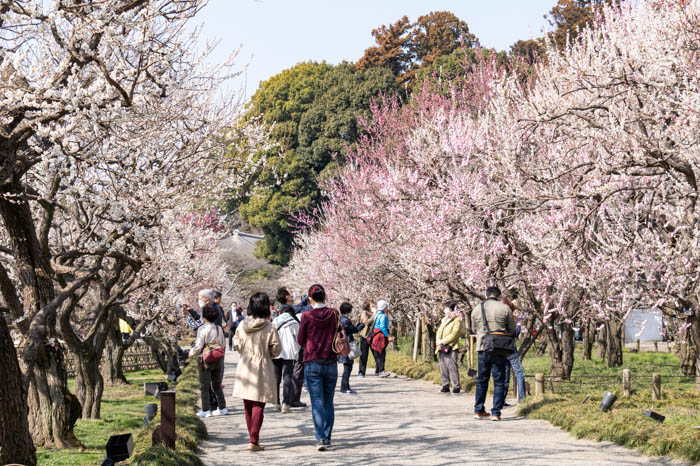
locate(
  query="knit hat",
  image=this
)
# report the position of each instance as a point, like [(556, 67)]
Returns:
[(381, 305)]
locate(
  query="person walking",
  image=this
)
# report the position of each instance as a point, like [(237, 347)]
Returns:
[(447, 343), (367, 319), (287, 325), (379, 338), (258, 343), (209, 374), (350, 329), (316, 332), (298, 371), (516, 364), (498, 318)]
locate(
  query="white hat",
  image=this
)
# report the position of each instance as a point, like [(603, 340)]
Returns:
[(381, 305)]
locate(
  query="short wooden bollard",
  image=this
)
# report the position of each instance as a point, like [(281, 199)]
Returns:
[(167, 418), (636, 344), (626, 382), (655, 387), (656, 346), (539, 384)]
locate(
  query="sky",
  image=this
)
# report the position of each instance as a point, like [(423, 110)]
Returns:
[(273, 35)]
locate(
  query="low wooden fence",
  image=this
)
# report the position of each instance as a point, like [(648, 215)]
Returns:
[(137, 357)]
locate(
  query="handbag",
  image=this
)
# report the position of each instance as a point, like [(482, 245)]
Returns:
[(498, 343), (340, 340), (213, 353), (445, 348), (355, 350), (378, 340)]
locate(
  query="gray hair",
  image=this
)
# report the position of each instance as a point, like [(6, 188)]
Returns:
[(206, 293)]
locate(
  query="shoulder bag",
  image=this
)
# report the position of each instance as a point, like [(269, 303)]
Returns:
[(213, 351), (498, 343), (340, 340)]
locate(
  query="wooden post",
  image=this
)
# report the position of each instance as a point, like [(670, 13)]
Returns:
[(636, 344), (697, 379), (416, 339), (655, 387), (539, 384), (626, 382), (656, 346), (167, 418)]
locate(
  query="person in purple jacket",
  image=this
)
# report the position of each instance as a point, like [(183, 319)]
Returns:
[(316, 332)]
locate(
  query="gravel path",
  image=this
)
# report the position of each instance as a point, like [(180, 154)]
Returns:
[(400, 421)]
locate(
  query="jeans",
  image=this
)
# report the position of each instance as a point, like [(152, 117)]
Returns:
[(298, 377), (283, 373), (514, 362), (364, 355), (254, 418), (491, 364), (320, 381), (210, 381), (345, 380), (448, 369), (379, 358)]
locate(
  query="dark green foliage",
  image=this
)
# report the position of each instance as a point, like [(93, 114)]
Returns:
[(312, 109)]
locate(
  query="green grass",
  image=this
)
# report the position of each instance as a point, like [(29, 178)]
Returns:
[(625, 424), (122, 412)]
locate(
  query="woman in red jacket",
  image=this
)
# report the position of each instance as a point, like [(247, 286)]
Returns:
[(316, 333)]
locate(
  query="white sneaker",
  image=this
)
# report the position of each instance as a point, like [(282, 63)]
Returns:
[(220, 412), (204, 413)]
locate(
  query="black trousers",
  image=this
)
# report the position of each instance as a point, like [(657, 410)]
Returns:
[(283, 373), (345, 381), (230, 338), (364, 355), (210, 381), (298, 377), (379, 358)]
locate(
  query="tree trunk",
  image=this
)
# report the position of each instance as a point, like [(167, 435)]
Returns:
[(530, 340), (429, 342), (112, 367), (613, 335), (89, 383), (394, 345), (52, 409), (44, 373), (561, 351), (159, 350), (602, 342), (15, 440), (687, 353), (588, 337)]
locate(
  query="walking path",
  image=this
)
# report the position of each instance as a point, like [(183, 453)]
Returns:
[(400, 421)]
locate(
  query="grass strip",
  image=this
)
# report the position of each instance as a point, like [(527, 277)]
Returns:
[(189, 429), (626, 424)]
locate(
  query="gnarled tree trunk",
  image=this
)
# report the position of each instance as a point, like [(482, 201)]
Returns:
[(89, 384), (429, 341), (16, 444), (613, 336), (602, 342), (561, 351), (588, 336), (112, 363), (52, 409)]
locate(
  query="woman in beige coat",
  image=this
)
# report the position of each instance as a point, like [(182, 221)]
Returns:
[(257, 341)]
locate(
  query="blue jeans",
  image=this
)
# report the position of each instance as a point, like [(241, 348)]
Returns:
[(491, 364), (514, 362), (320, 381)]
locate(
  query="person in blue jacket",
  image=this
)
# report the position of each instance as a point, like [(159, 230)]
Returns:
[(381, 323), (350, 329)]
